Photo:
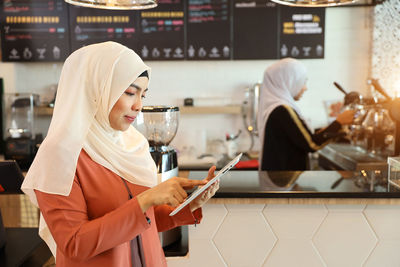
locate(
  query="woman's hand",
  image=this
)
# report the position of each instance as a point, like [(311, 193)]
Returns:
[(208, 193), (171, 192), (346, 117)]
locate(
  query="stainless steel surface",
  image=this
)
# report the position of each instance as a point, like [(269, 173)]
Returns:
[(250, 111), (353, 158)]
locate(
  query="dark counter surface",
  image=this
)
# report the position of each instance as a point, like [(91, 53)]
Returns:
[(302, 184)]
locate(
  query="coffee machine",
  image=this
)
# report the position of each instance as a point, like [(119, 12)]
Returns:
[(21, 141), (159, 125)]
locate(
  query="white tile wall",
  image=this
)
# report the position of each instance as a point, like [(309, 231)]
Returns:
[(307, 219), (345, 239), (244, 238), (294, 252), (295, 235)]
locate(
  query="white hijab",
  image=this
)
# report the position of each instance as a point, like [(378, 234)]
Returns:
[(92, 80), (283, 80)]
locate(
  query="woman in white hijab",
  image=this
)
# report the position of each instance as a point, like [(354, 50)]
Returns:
[(93, 177), (285, 137)]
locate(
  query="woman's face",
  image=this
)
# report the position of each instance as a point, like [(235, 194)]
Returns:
[(300, 94), (128, 105)]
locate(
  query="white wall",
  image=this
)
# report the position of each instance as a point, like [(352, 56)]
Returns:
[(347, 61)]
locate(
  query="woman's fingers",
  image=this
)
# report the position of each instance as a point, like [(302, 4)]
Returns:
[(188, 184), (211, 173)]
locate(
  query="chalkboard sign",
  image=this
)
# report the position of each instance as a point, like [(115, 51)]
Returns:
[(34, 30), (208, 30), (302, 32), (91, 25), (255, 29), (162, 32), (49, 30)]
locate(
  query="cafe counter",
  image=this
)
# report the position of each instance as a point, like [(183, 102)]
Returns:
[(310, 218)]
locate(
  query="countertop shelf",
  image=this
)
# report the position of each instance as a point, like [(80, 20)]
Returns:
[(43, 111), (229, 109)]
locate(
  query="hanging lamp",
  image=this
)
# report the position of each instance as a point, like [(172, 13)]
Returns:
[(314, 3), (115, 4)]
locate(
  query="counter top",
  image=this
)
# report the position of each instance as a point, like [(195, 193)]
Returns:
[(302, 184), (349, 157)]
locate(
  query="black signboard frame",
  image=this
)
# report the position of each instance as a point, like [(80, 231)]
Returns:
[(209, 33), (302, 32), (230, 29), (251, 38), (162, 31), (90, 25), (34, 30)]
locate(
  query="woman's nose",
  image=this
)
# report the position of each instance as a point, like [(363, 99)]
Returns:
[(137, 106)]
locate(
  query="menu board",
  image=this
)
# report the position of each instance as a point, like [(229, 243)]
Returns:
[(302, 32), (92, 25), (162, 32), (49, 30), (34, 30), (255, 29), (208, 30)]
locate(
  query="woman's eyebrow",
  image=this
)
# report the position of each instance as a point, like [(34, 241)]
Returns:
[(138, 87)]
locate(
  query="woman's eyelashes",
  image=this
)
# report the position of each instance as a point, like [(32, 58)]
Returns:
[(129, 93)]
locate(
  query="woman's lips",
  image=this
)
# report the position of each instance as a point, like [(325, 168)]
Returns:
[(129, 118)]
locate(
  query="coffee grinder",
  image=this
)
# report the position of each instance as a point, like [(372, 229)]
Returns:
[(21, 142), (159, 125)]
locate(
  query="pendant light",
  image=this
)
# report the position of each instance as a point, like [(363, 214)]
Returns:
[(314, 3), (115, 4)]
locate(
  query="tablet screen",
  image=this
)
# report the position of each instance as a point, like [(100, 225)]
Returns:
[(201, 189)]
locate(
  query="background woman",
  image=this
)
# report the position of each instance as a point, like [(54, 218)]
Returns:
[(284, 136)]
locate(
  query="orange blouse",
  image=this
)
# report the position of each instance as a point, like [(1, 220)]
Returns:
[(93, 226)]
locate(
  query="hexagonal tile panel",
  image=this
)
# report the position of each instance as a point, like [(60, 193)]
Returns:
[(386, 253), (295, 221), (244, 238), (344, 239), (385, 220), (213, 215), (289, 252)]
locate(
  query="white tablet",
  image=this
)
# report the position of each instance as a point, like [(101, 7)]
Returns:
[(201, 189)]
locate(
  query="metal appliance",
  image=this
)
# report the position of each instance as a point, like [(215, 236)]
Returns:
[(374, 135), (159, 125), (373, 128), (21, 141), (250, 111)]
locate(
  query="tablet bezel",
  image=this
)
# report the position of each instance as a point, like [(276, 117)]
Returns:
[(201, 189)]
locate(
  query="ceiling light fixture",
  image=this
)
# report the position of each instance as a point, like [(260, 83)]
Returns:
[(115, 4), (314, 3)]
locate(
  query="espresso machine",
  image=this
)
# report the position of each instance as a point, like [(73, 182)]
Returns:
[(372, 137), (21, 141), (159, 125)]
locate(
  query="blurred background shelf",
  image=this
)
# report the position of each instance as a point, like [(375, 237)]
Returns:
[(43, 111), (230, 109)]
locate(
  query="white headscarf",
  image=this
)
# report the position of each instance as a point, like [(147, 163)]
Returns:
[(283, 80), (92, 80)]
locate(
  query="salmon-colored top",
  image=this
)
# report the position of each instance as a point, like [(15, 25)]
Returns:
[(93, 226)]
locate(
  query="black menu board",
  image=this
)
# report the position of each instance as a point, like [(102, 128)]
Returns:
[(208, 30), (255, 29), (93, 25), (34, 30), (162, 31), (302, 32)]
